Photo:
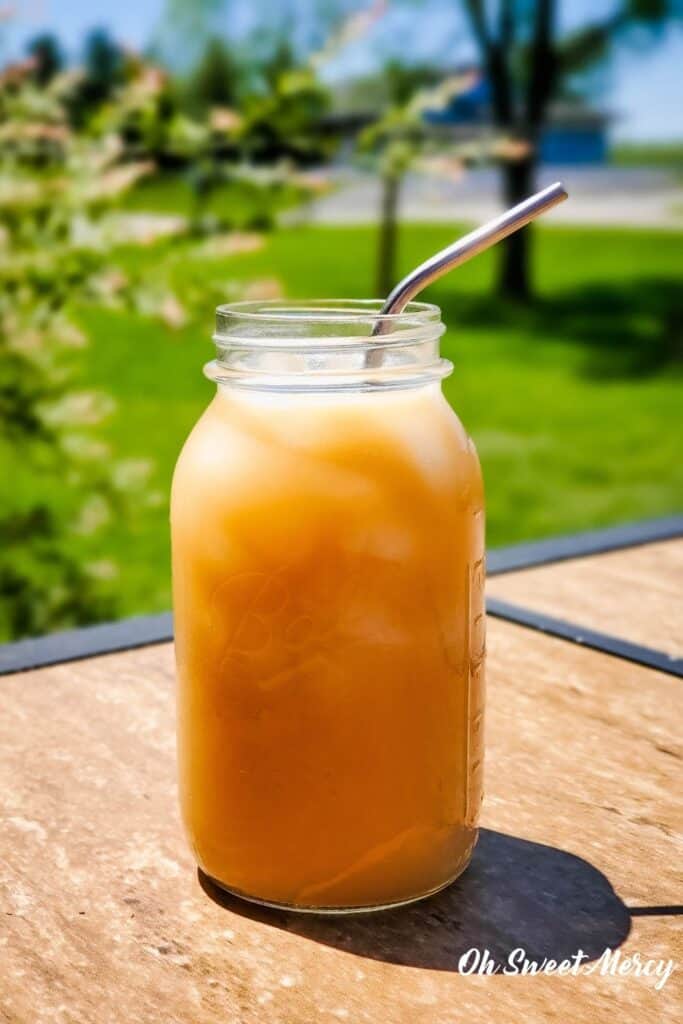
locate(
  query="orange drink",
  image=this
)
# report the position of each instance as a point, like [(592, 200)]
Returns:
[(328, 565)]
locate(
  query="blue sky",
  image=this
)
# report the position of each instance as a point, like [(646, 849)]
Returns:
[(644, 90)]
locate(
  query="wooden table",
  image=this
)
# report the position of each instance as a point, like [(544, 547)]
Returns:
[(105, 920)]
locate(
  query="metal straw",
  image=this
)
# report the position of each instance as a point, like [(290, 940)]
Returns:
[(464, 249)]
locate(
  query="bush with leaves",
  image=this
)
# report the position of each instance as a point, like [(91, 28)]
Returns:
[(60, 190), (221, 147), (284, 120), (54, 252)]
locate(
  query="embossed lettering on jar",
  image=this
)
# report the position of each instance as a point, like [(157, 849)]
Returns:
[(328, 572)]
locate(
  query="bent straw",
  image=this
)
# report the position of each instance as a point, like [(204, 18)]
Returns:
[(464, 249)]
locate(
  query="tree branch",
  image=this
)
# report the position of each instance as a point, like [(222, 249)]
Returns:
[(543, 73), (507, 25), (477, 15), (495, 64), (588, 45)]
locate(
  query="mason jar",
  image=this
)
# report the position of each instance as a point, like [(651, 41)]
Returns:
[(328, 576)]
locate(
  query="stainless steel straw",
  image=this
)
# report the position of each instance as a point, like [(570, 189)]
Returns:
[(472, 244), (464, 249)]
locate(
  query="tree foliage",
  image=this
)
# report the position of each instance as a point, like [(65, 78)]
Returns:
[(45, 51), (217, 81), (55, 253), (61, 182)]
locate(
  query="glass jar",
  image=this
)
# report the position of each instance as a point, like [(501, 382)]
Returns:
[(328, 574)]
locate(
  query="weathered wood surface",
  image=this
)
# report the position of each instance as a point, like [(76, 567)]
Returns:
[(635, 594), (103, 918)]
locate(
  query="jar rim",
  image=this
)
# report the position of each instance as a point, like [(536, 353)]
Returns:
[(325, 311), (326, 344)]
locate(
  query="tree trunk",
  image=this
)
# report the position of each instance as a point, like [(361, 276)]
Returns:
[(514, 269), (388, 234)]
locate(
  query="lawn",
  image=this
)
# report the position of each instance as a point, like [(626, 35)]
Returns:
[(242, 203), (666, 155), (575, 407)]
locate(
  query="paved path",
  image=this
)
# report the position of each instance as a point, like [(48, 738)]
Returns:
[(605, 196)]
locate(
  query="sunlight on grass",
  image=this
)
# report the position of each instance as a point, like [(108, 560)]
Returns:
[(574, 406)]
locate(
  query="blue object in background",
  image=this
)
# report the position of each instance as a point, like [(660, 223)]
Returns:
[(566, 145), (575, 134)]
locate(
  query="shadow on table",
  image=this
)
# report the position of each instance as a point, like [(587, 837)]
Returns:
[(514, 894)]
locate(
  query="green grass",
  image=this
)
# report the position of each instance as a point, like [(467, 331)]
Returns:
[(242, 203), (575, 407), (667, 154)]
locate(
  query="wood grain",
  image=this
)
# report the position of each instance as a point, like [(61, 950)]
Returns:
[(103, 918), (636, 594)]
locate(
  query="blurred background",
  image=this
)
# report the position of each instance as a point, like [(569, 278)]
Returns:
[(162, 156)]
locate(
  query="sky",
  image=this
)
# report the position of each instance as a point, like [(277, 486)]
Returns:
[(644, 91)]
